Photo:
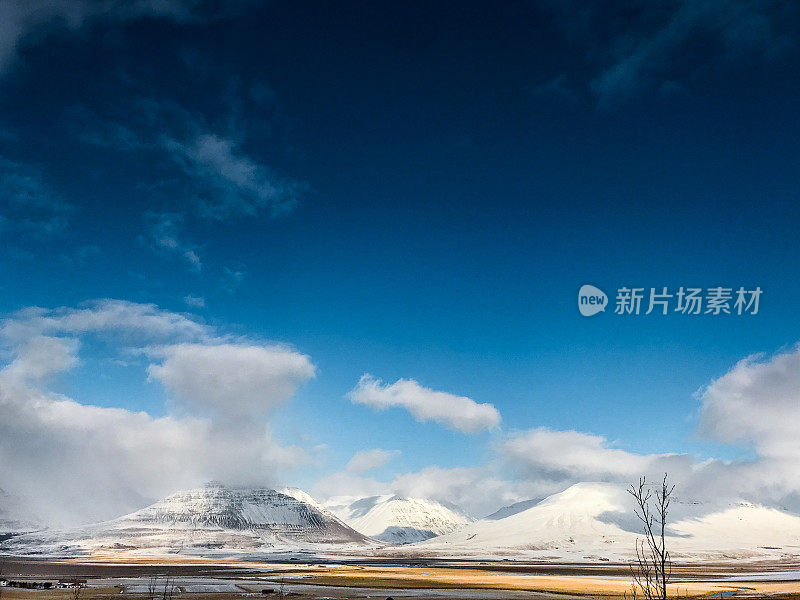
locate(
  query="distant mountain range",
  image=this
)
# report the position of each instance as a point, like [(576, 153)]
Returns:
[(586, 522)]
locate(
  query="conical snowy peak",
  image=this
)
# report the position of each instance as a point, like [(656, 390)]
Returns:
[(400, 520)]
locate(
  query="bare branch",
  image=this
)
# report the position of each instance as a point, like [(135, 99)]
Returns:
[(651, 573)]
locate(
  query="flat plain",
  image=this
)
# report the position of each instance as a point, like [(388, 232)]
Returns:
[(103, 577)]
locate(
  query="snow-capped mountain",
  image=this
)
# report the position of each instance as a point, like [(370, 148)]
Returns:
[(398, 520), (586, 522), (595, 521), (565, 523), (206, 519)]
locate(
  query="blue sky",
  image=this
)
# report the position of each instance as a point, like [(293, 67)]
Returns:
[(414, 191)]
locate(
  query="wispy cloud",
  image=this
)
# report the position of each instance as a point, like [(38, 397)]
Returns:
[(230, 182), (368, 460), (163, 233), (24, 23), (195, 301), (217, 178), (27, 203), (556, 89), (635, 46), (204, 173), (232, 279)]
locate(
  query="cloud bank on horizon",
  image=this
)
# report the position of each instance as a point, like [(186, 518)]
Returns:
[(109, 461)]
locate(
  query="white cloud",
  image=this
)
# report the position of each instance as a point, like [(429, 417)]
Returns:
[(234, 378), (758, 402), (546, 453), (368, 460), (132, 322), (457, 412), (108, 461), (41, 356), (104, 462), (757, 405), (550, 461), (216, 177)]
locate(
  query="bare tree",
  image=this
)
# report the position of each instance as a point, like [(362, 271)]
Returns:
[(161, 591), (152, 586), (653, 567), (168, 591)]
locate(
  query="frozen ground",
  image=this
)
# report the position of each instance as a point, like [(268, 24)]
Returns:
[(294, 586), (375, 579)]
